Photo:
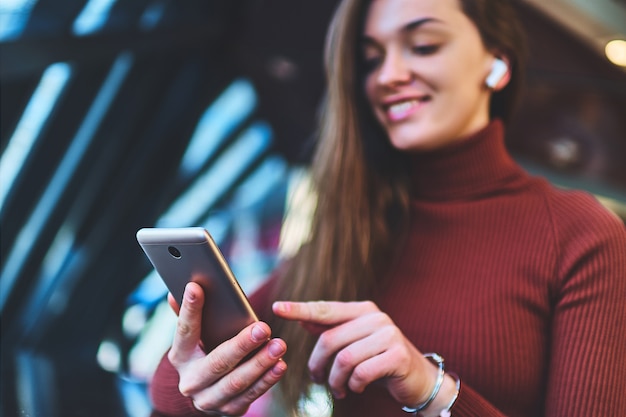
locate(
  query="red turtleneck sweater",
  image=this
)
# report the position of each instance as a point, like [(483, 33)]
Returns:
[(520, 286)]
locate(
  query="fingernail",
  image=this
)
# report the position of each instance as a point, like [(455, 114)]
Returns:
[(315, 378), (281, 307), (259, 334), (189, 295), (337, 394), (276, 350), (278, 369)]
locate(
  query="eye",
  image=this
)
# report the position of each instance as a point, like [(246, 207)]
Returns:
[(371, 56), (369, 64), (425, 49)]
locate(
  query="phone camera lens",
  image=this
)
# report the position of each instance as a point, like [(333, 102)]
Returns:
[(174, 252)]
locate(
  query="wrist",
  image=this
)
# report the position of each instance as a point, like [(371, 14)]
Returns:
[(444, 393), (444, 399), (438, 360)]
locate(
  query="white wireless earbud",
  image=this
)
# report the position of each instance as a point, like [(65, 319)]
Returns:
[(498, 70)]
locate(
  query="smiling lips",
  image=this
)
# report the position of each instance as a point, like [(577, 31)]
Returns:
[(401, 110)]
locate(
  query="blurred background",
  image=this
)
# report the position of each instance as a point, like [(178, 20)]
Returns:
[(122, 114)]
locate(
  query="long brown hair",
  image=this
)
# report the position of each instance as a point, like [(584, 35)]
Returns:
[(361, 183)]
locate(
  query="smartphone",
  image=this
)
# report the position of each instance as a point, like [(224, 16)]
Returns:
[(181, 255)]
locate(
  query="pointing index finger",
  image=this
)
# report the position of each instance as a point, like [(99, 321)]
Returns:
[(322, 312)]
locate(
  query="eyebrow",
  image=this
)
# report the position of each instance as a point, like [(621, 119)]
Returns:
[(417, 23), (409, 27)]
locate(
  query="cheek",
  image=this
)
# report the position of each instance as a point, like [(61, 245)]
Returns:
[(370, 90), (371, 95), (456, 67)]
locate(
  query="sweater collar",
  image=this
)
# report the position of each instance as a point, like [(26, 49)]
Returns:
[(470, 169)]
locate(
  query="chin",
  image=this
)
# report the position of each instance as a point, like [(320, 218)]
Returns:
[(413, 143)]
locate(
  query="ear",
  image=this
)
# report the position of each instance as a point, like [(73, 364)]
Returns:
[(499, 74)]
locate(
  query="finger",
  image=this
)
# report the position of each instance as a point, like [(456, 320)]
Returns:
[(173, 303), (323, 312), (261, 386), (187, 336), (244, 375), (370, 370), (243, 380), (314, 329), (393, 368), (224, 358), (332, 341), (240, 404), (349, 360)]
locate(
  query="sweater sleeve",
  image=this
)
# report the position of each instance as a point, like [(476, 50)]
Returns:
[(587, 373), (472, 404), (587, 367), (166, 398)]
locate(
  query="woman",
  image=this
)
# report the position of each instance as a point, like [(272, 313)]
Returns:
[(421, 212)]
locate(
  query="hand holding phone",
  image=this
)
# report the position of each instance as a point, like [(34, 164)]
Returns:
[(182, 255), (215, 310), (223, 382)]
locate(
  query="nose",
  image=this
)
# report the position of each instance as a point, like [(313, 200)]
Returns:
[(394, 70)]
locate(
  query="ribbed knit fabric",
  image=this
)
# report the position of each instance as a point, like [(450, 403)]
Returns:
[(520, 286)]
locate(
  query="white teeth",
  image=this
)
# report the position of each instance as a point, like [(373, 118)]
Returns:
[(400, 108)]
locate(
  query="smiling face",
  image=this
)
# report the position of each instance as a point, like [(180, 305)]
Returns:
[(426, 67)]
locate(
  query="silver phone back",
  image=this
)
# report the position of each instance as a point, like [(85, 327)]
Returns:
[(226, 308)]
